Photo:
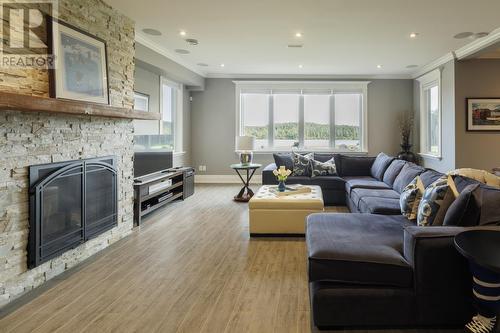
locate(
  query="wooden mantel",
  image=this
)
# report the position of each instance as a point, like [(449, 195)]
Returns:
[(27, 103)]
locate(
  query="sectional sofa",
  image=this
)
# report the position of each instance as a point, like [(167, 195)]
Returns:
[(373, 267)]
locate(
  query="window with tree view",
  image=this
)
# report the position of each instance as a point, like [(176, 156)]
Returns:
[(308, 117)]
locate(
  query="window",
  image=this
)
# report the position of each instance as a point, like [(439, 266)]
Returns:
[(165, 134), (311, 116), (430, 114)]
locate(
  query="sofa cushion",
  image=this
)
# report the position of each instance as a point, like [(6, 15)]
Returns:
[(357, 249), (383, 206), (380, 165), (299, 180), (406, 175), (354, 165), (429, 176), (302, 164), (466, 209), (327, 168), (393, 171), (364, 182), (358, 193), (328, 182), (284, 159)]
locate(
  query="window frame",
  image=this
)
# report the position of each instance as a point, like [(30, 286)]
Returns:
[(177, 114), (305, 87), (427, 82)]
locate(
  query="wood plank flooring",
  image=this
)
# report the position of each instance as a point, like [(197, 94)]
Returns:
[(190, 268)]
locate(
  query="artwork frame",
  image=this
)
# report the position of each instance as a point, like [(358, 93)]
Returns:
[(141, 101), (482, 114), (76, 74)]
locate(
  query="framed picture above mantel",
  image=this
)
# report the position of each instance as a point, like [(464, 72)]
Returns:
[(80, 68), (483, 114)]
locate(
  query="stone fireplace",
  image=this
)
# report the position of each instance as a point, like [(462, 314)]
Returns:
[(32, 138)]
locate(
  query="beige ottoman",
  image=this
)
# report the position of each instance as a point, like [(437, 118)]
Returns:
[(282, 215)]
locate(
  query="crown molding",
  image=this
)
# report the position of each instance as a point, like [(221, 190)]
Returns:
[(478, 45), (433, 65), (461, 53), (142, 39), (307, 76)]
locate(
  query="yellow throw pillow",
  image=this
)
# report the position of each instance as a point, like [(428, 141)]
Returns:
[(491, 179), (482, 176), (469, 173)]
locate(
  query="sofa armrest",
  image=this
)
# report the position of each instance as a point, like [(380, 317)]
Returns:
[(268, 177), (441, 276)]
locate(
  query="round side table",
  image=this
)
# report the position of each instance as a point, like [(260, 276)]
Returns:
[(482, 250), (246, 192)]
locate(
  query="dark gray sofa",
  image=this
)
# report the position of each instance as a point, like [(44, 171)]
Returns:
[(373, 267)]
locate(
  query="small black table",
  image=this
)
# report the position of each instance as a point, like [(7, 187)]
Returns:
[(246, 192), (482, 249)]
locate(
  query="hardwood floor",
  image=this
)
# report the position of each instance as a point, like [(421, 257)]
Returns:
[(190, 268)]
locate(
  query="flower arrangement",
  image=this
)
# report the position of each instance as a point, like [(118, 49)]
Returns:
[(281, 174)]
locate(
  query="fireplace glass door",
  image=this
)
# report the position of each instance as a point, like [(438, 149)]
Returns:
[(61, 211)]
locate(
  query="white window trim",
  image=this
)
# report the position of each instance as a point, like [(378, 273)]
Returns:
[(178, 114), (428, 80), (334, 86)]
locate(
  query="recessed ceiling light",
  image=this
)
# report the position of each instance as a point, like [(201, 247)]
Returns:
[(298, 34), (301, 66), (202, 64), (414, 35), (480, 35), (182, 51), (222, 65), (379, 66), (152, 32), (182, 33), (192, 41), (412, 66), (463, 35)]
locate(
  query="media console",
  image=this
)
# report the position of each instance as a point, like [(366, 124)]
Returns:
[(154, 191)]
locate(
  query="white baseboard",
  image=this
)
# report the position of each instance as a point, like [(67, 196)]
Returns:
[(224, 179)]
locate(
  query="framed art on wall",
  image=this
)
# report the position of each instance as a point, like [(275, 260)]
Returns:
[(141, 101), (483, 114), (80, 68)]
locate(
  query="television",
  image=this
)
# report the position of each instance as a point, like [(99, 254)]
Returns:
[(149, 162)]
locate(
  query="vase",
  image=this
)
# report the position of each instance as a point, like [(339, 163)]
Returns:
[(281, 186), (406, 154)]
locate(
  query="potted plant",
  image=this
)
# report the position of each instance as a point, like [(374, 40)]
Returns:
[(406, 121), (282, 174)]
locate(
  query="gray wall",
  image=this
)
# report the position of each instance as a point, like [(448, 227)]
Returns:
[(448, 120), (213, 122), (147, 82), (158, 63), (476, 78)]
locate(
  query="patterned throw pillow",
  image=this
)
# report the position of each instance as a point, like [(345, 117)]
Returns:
[(410, 198), (327, 168), (302, 165), (435, 202)]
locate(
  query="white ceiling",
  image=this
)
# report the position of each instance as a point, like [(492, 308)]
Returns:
[(340, 37)]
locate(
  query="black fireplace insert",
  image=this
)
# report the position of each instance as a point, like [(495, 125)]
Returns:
[(70, 203)]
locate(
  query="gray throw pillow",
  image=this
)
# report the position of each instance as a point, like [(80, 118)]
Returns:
[(302, 165), (435, 202), (410, 198), (323, 168), (466, 209)]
